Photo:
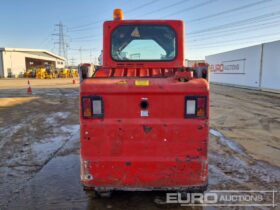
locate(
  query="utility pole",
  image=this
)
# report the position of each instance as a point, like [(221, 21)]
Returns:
[(62, 45), (81, 50), (72, 61), (90, 56), (95, 61), (81, 58)]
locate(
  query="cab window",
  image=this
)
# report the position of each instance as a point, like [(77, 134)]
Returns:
[(143, 42)]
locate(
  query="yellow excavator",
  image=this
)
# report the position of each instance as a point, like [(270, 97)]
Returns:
[(64, 73), (40, 73)]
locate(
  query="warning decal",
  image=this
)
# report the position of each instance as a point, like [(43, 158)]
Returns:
[(135, 32)]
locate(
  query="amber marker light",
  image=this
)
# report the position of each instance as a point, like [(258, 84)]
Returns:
[(118, 14)]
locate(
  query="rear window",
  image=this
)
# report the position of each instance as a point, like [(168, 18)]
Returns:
[(143, 43)]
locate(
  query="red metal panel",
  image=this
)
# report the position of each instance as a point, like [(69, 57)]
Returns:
[(131, 72), (168, 72), (157, 85), (156, 72), (144, 73), (119, 72), (127, 150), (103, 73), (151, 153)]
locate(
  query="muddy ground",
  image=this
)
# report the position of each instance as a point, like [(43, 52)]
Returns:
[(39, 147)]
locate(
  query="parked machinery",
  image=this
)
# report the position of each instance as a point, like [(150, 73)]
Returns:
[(50, 72), (30, 73), (201, 70), (64, 73), (74, 73), (144, 120), (40, 73)]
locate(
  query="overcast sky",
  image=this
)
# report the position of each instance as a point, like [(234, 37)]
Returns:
[(212, 26)]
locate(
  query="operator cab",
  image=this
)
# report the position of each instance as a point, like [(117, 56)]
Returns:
[(143, 43)]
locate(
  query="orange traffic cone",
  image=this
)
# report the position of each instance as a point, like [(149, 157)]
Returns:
[(74, 82), (29, 89)]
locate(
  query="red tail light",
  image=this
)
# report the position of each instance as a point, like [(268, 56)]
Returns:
[(87, 107), (196, 106), (92, 107), (201, 107)]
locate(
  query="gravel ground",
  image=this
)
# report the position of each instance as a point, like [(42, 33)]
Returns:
[(39, 147)]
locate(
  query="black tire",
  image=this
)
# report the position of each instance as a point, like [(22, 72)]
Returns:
[(104, 194), (200, 189), (90, 192)]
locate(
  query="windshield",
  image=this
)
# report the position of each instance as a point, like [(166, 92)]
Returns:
[(143, 42)]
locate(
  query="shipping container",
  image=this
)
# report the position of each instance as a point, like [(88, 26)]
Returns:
[(270, 75), (254, 67)]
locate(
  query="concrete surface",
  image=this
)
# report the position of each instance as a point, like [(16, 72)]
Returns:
[(39, 147)]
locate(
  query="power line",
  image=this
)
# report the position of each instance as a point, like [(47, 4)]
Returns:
[(222, 43), (215, 34), (83, 29), (86, 37), (236, 45), (190, 8), (86, 25), (80, 27), (241, 27), (45, 40), (165, 7), (88, 40), (141, 6), (81, 50), (254, 11), (72, 61), (234, 40), (81, 56), (240, 22), (229, 11)]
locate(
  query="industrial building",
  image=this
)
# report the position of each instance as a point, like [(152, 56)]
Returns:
[(15, 61), (255, 67)]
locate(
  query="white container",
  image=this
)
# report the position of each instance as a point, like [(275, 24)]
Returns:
[(240, 67), (255, 67), (271, 66)]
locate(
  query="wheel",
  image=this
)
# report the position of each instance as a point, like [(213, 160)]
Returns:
[(93, 193), (104, 194), (200, 189), (90, 192)]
